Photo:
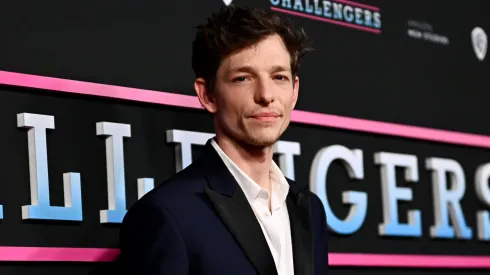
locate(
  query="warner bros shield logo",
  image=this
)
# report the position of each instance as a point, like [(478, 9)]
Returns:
[(480, 42)]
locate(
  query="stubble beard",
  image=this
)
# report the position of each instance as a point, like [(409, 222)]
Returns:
[(262, 138), (259, 140)]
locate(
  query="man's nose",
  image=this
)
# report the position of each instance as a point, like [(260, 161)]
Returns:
[(264, 92)]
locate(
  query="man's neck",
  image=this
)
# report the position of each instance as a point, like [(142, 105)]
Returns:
[(253, 161)]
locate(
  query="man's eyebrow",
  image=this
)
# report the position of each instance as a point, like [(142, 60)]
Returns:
[(243, 69), (249, 69), (280, 68)]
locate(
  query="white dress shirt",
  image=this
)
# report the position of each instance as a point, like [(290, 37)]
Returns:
[(275, 223)]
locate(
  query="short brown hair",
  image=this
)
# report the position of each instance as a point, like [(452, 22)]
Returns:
[(233, 28)]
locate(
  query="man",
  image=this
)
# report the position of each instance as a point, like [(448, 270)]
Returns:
[(232, 211)]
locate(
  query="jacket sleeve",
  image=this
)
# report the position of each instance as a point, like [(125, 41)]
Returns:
[(150, 242), (322, 242)]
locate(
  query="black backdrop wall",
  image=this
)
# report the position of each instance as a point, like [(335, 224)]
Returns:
[(401, 62)]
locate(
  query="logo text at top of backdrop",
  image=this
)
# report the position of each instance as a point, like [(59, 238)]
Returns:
[(340, 12)]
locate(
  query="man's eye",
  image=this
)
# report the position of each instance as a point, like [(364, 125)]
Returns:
[(239, 79), (281, 77)]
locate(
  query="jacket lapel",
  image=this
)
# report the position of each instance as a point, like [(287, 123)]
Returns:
[(298, 203), (236, 213)]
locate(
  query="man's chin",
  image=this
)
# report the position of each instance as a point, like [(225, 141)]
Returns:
[(262, 141)]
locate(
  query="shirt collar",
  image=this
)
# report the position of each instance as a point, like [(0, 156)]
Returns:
[(250, 187), (280, 185)]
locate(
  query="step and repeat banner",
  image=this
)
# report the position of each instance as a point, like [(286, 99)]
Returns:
[(97, 107)]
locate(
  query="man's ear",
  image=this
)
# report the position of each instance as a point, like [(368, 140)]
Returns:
[(205, 95), (295, 90)]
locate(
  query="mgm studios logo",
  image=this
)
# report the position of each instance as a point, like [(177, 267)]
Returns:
[(424, 31)]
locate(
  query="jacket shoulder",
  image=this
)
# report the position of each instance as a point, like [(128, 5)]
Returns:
[(182, 185)]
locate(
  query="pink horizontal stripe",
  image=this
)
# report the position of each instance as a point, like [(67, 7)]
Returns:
[(318, 18), (69, 254), (303, 117), (414, 261), (390, 129), (95, 89), (57, 254), (358, 4)]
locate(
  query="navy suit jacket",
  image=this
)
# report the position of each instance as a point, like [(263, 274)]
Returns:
[(200, 222)]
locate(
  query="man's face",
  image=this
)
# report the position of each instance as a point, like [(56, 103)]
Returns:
[(255, 93)]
